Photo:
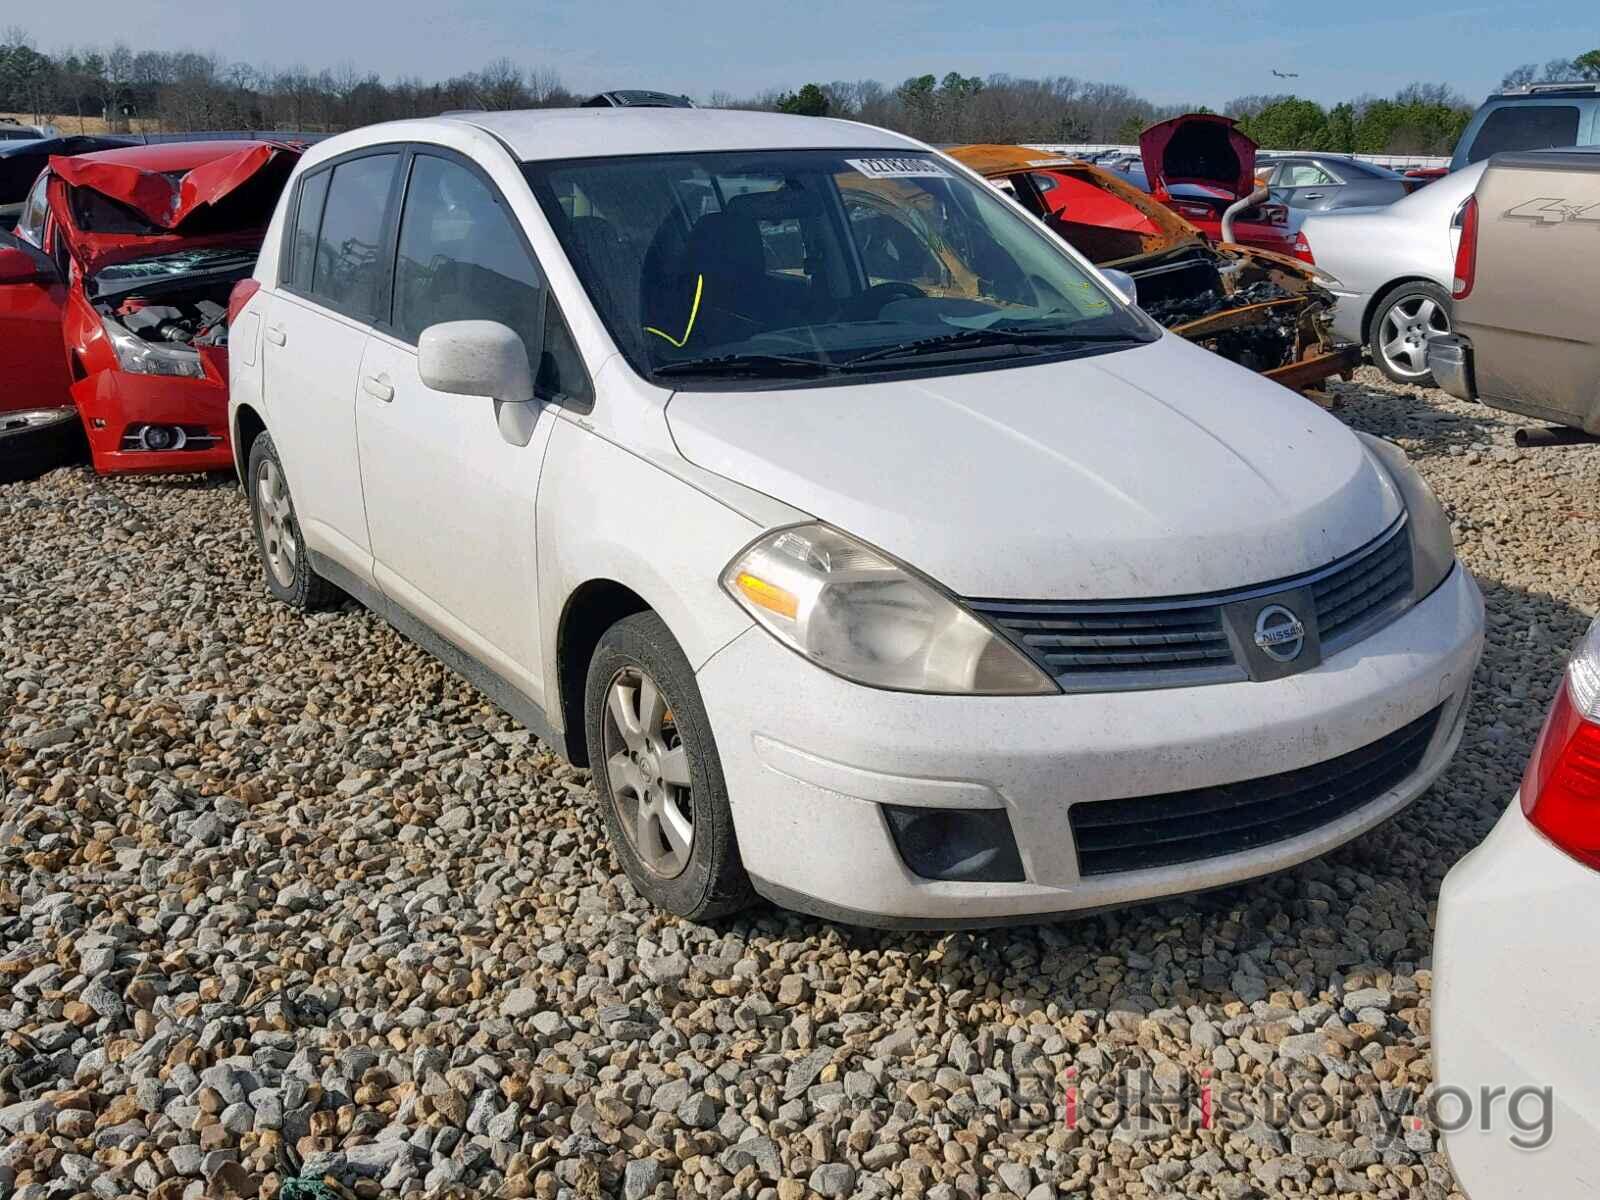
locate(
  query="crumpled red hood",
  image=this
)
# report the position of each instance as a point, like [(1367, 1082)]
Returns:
[(166, 203), (1200, 148)]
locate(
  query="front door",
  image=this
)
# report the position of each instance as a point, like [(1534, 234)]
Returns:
[(333, 284), (33, 356), (1300, 183), (450, 480)]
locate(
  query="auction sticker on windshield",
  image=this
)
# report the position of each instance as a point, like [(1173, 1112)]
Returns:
[(898, 168)]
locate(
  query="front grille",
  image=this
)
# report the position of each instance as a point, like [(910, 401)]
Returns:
[(1112, 648), (1158, 831), (1352, 599), (1100, 646)]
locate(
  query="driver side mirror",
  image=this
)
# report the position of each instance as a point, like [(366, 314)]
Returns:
[(18, 266), (476, 358), (1125, 284)]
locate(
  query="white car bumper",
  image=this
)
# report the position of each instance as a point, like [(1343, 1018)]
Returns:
[(1516, 1018), (811, 758)]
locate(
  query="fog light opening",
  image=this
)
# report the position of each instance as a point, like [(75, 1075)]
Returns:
[(162, 437), (966, 845)]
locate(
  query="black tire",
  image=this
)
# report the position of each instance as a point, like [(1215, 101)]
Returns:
[(713, 882), (299, 585), (1406, 299), (36, 440)]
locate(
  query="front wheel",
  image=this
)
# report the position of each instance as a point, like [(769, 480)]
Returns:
[(657, 773), (36, 440), (1401, 327)]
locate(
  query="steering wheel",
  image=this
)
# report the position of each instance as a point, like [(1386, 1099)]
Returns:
[(871, 302)]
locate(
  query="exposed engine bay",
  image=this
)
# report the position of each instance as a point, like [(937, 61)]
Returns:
[(179, 299), (198, 320), (1248, 308)]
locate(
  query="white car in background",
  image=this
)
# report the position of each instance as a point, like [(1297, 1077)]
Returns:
[(1394, 266), (874, 551), (1516, 993)]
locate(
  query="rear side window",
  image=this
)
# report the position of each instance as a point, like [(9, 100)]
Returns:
[(348, 273), (308, 218), (1525, 127)]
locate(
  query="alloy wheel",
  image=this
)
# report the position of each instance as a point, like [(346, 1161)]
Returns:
[(648, 769), (280, 540), (1403, 337), (35, 418)]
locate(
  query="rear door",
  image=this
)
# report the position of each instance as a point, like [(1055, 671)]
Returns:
[(450, 480), (33, 356), (333, 283)]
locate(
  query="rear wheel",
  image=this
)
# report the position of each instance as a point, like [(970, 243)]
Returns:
[(1405, 320), (36, 440), (288, 570), (658, 775)]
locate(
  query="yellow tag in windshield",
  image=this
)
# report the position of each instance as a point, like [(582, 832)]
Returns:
[(694, 311)]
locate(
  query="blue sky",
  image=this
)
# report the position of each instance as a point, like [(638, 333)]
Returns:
[(1171, 51)]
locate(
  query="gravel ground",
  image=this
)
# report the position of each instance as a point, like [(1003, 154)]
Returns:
[(275, 889)]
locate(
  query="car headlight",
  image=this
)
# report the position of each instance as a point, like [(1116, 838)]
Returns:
[(139, 357), (1433, 548), (857, 613)]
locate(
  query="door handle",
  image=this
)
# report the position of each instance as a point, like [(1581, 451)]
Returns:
[(1312, 195), (378, 387), (276, 335)]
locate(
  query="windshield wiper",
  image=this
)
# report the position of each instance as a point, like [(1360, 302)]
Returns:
[(769, 365), (976, 338)]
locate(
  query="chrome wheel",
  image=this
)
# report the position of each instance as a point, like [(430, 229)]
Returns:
[(1403, 335), (279, 539), (648, 770)]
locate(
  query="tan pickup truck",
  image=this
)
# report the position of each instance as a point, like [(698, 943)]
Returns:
[(1527, 290)]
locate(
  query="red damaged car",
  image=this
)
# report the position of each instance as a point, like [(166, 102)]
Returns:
[(114, 294)]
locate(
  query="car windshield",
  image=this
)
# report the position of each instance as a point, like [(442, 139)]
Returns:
[(708, 266)]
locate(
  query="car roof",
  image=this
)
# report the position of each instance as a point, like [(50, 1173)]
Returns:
[(169, 156), (554, 133)]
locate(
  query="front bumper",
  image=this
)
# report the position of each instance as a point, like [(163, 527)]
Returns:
[(1450, 361), (810, 758), (113, 403), (1515, 1013)]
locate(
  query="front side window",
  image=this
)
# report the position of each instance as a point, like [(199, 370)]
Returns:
[(1525, 127), (348, 272), (815, 262), (30, 225), (461, 258), (1306, 175)]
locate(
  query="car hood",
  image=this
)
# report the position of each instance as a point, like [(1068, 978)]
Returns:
[(223, 203), (1200, 148), (166, 202), (1157, 471)]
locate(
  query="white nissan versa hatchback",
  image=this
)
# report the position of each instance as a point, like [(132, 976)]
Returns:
[(874, 552)]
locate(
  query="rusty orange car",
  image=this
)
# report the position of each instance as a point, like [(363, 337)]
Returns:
[(1265, 311)]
